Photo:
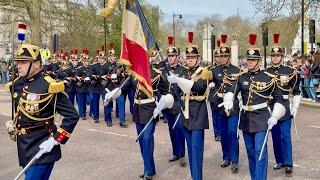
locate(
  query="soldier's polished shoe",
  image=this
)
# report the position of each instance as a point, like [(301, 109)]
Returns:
[(234, 168), (277, 166), (96, 121), (217, 138), (225, 163), (146, 176), (288, 170), (123, 125), (173, 158), (183, 162), (84, 118), (109, 124)]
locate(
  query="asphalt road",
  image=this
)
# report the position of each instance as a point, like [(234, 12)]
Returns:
[(96, 151)]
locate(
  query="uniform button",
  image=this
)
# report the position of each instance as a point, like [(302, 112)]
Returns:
[(19, 117), (26, 87), (24, 94), (19, 125)]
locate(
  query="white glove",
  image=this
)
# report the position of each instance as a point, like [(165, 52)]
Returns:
[(173, 78), (184, 84), (114, 94), (162, 103), (272, 121), (87, 79), (48, 145), (227, 102), (156, 112), (295, 105), (10, 126), (211, 85), (65, 81), (294, 111)]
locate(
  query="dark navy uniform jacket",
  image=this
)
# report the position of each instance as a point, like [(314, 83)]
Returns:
[(178, 70), (223, 76), (256, 88), (70, 76), (287, 82), (37, 88), (95, 81), (82, 86), (143, 112), (198, 112)]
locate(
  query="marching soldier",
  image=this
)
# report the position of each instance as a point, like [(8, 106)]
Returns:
[(213, 99), (143, 110), (82, 87), (256, 87), (193, 83), (113, 74), (225, 75), (176, 134), (70, 78), (37, 98), (95, 87), (287, 81)]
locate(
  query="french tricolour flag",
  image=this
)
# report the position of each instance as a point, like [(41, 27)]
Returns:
[(22, 31), (137, 39)]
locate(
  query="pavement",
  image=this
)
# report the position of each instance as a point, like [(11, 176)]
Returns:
[(96, 151)]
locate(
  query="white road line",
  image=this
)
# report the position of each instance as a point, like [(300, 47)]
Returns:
[(5, 114), (121, 135), (318, 127)]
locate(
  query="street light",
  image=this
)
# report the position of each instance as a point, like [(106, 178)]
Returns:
[(173, 26), (208, 38)]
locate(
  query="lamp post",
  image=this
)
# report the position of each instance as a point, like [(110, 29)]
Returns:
[(104, 28), (173, 26), (208, 38)]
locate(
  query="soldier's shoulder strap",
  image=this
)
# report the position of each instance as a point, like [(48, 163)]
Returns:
[(54, 86)]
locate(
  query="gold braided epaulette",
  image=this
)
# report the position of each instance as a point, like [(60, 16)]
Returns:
[(54, 86), (206, 74), (7, 86)]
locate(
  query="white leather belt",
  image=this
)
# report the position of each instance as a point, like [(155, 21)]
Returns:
[(143, 101), (255, 107)]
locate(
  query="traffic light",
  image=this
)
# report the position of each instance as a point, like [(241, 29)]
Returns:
[(312, 30), (264, 34)]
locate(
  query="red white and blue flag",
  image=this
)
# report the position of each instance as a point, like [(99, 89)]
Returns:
[(137, 39), (22, 31)]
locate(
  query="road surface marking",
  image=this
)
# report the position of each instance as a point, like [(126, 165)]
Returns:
[(318, 127), (117, 134), (6, 114)]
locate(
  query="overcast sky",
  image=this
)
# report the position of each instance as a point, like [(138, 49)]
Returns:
[(197, 9)]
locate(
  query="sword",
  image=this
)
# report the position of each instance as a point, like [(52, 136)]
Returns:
[(176, 121), (123, 83), (239, 121), (264, 144), (37, 156), (144, 129)]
